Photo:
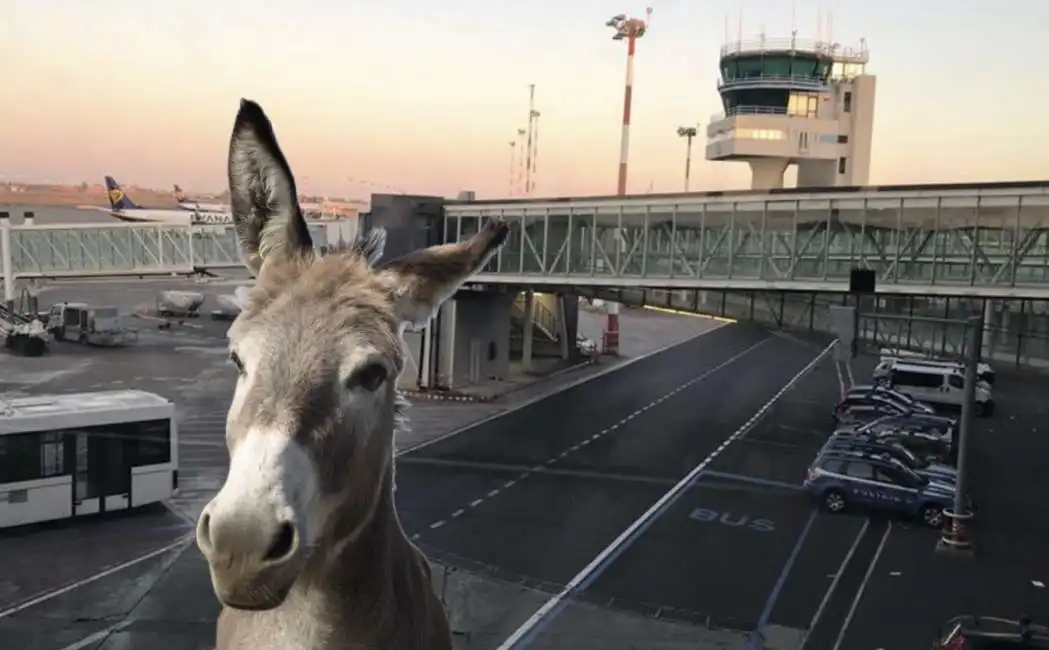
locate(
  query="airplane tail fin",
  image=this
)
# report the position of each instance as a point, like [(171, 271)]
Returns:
[(117, 199), (180, 196)]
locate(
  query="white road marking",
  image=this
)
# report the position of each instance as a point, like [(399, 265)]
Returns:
[(626, 537), (834, 583), (863, 587), (563, 454)]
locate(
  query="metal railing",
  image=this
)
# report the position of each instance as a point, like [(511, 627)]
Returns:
[(763, 44), (750, 110), (802, 80), (542, 317)]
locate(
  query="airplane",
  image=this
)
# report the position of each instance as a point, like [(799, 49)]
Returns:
[(194, 206), (123, 208), (308, 209)]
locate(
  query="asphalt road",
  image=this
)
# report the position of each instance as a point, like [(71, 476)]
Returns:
[(538, 494), (533, 496)]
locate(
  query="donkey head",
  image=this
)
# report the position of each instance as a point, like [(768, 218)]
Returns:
[(317, 348)]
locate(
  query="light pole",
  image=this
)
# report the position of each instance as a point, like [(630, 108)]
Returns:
[(687, 132), (630, 29), (513, 151)]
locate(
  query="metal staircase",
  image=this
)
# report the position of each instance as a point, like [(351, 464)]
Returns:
[(544, 320)]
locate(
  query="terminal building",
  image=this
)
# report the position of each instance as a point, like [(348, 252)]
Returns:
[(781, 255)]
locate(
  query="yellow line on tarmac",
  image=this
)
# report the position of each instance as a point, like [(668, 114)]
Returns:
[(667, 310)]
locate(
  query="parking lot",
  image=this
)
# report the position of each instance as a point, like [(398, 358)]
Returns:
[(746, 549)]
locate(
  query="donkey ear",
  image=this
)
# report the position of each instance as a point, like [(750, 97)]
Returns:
[(420, 281), (262, 193)]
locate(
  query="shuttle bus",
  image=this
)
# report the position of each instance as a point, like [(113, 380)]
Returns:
[(64, 456)]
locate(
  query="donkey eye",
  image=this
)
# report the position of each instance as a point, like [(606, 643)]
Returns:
[(369, 378), (237, 363)]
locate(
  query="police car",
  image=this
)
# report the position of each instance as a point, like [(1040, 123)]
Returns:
[(868, 444), (843, 480)]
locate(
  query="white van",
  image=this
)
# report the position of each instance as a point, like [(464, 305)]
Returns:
[(935, 384), (984, 371)]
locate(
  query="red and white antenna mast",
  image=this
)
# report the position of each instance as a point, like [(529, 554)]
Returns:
[(533, 118), (628, 29)]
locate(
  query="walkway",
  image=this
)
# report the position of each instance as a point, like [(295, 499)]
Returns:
[(987, 240), (984, 240), (85, 250)]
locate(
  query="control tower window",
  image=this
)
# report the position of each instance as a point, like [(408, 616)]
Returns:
[(846, 102), (803, 105)]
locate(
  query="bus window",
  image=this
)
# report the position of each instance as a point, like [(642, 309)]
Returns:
[(20, 457), (52, 454), (151, 441)]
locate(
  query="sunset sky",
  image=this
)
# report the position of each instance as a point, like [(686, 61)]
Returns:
[(425, 96)]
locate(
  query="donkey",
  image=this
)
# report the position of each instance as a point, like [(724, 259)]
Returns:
[(303, 542)]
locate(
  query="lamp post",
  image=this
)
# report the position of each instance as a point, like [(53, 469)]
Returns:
[(687, 132), (629, 29)]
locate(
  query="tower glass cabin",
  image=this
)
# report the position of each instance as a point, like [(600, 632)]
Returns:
[(790, 101)]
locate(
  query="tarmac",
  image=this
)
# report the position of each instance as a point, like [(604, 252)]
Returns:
[(519, 505)]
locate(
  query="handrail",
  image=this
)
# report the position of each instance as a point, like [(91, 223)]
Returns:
[(794, 44), (542, 316), (750, 110), (807, 80)]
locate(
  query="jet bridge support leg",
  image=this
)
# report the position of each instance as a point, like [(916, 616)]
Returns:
[(612, 328), (528, 329), (7, 266)]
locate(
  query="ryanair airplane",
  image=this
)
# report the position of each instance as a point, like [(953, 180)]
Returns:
[(123, 208), (194, 206)]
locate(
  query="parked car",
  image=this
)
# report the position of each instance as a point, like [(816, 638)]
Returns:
[(868, 444), (843, 480), (991, 633), (862, 404), (938, 425)]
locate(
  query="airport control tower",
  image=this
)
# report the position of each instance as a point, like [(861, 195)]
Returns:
[(789, 101)]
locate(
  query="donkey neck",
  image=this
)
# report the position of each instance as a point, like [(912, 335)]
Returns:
[(364, 541)]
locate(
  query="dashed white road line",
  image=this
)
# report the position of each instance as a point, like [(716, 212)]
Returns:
[(604, 432), (628, 536)]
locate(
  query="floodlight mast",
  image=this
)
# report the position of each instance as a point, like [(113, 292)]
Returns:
[(687, 132), (629, 29)]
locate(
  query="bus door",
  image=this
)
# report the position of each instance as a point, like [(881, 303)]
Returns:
[(102, 481)]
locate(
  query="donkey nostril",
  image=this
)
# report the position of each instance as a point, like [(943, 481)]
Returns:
[(204, 531), (283, 544)]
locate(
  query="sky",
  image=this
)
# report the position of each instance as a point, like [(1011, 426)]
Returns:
[(424, 97)]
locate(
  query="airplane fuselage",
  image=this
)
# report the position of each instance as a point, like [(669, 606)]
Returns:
[(170, 217), (190, 206)]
